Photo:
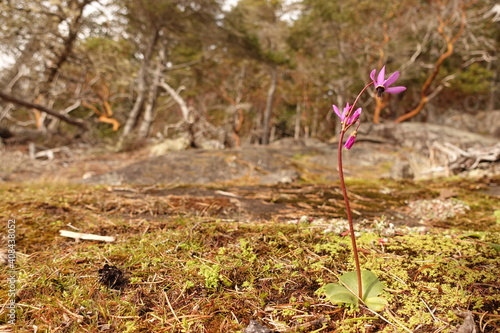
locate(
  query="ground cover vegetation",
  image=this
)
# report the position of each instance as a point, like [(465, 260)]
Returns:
[(198, 264)]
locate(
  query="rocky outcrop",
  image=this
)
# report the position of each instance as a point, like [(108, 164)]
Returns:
[(409, 150), (248, 165)]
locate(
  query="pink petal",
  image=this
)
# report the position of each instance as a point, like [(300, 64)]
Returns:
[(354, 116), (345, 111), (395, 90), (350, 142), (381, 76), (372, 74), (391, 79), (337, 111)]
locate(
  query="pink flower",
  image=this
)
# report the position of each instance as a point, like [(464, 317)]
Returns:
[(350, 141), (352, 119), (382, 85), (344, 113)]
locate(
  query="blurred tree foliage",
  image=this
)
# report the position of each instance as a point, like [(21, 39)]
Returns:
[(475, 79), (252, 72)]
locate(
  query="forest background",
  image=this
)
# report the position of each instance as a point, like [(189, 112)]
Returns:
[(129, 71)]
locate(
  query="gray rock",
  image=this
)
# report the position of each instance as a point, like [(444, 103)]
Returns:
[(255, 327), (390, 150)]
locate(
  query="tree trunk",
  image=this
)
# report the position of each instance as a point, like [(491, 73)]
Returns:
[(315, 122), (149, 110), (149, 113), (380, 104), (298, 115), (425, 96), (266, 123), (74, 29), (136, 110), (494, 87), (52, 72)]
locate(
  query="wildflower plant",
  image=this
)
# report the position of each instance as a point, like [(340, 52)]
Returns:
[(359, 286)]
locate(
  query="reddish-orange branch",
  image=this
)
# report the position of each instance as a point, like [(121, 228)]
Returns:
[(381, 103), (102, 91), (424, 95)]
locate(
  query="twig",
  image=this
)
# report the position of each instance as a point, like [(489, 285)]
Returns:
[(395, 319), (170, 306), (429, 309), (78, 317), (79, 235)]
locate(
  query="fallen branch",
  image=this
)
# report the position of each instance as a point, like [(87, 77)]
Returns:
[(49, 154), (79, 235), (469, 159)]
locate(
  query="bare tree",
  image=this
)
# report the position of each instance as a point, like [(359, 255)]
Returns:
[(266, 125), (455, 17), (44, 44), (141, 84)]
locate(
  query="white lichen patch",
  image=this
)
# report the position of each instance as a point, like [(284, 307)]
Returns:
[(436, 209), (339, 226)]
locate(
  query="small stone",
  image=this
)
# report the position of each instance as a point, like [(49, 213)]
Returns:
[(255, 327)]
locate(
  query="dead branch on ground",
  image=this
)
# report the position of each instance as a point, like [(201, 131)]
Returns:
[(469, 159)]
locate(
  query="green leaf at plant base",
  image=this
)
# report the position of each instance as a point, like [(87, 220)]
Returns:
[(346, 290), (476, 235), (495, 246), (496, 213), (339, 294), (372, 287), (376, 303)]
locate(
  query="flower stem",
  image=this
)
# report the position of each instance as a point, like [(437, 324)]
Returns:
[(349, 215), (345, 126)]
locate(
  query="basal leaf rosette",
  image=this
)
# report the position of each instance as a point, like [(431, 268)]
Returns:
[(345, 291)]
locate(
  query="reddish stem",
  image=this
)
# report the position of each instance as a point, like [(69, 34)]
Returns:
[(345, 127), (351, 109), (349, 215)]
